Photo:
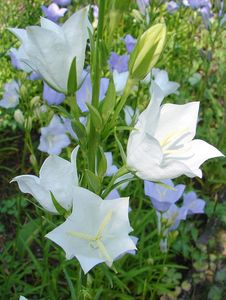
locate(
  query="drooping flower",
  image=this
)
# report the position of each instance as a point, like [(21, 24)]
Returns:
[(130, 43), (62, 2), (172, 6), (53, 137), (161, 146), (50, 49), (53, 12), (57, 176), (96, 231), (51, 96), (84, 94), (119, 62), (162, 197), (11, 95), (192, 204)]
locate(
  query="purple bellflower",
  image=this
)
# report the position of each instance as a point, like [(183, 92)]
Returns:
[(142, 4), (62, 2), (111, 169), (172, 6), (84, 94), (162, 197), (53, 12), (11, 95), (51, 96), (192, 204), (130, 43), (53, 137), (118, 62)]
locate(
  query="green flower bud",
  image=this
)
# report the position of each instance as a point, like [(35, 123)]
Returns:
[(19, 117), (147, 51)]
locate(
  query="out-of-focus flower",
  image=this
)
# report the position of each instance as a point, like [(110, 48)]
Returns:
[(34, 76), (11, 95), (111, 169), (96, 231), (114, 194), (162, 197), (130, 114), (119, 62), (172, 6), (130, 42), (53, 12), (162, 80), (195, 4), (192, 204), (22, 298), (57, 176), (120, 80), (84, 94), (142, 5), (162, 145), (50, 49), (53, 137), (147, 51), (62, 2), (51, 96)]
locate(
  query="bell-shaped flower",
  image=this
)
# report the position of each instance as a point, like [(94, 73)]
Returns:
[(57, 176), (192, 204), (120, 80), (53, 12), (51, 96), (11, 95), (96, 231), (161, 196), (62, 2), (130, 43), (161, 145), (111, 169), (119, 62), (50, 49), (54, 137)]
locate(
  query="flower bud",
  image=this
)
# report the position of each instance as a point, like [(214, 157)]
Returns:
[(33, 160), (19, 117), (35, 101), (28, 123), (147, 51)]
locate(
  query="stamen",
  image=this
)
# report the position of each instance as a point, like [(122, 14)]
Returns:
[(104, 252), (103, 225), (84, 236)]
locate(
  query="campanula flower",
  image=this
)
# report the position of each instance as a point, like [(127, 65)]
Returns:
[(120, 80), (96, 231), (162, 197), (111, 169), (84, 94), (114, 194), (130, 43), (50, 49), (51, 96), (172, 6), (62, 2), (53, 137), (53, 12), (161, 146), (11, 95), (142, 5), (193, 204), (57, 176), (130, 114), (119, 62)]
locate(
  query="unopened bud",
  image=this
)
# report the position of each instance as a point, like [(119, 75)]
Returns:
[(19, 117), (147, 51), (35, 101), (33, 160), (28, 123)]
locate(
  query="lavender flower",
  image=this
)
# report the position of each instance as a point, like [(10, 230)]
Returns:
[(84, 94), (118, 62), (111, 169), (130, 42), (172, 6), (114, 194), (10, 97), (192, 204), (51, 96), (162, 197), (62, 2), (53, 137), (142, 4), (16, 55), (34, 76), (53, 12)]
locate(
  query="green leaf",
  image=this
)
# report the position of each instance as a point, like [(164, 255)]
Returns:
[(93, 181), (72, 78), (102, 162), (109, 102), (95, 117), (62, 211), (122, 152), (79, 129)]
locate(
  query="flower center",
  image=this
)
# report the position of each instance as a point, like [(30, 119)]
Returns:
[(95, 241)]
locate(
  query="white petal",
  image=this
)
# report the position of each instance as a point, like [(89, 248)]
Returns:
[(202, 152), (176, 118), (31, 184), (48, 24), (148, 119), (59, 176), (119, 245), (120, 80)]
